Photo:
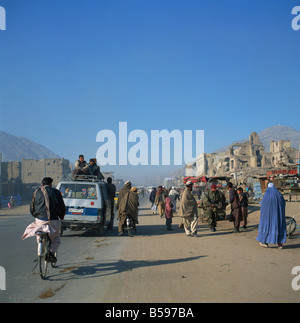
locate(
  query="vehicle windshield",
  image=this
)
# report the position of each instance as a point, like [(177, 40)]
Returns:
[(78, 191)]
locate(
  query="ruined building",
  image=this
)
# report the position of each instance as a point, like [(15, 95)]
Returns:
[(245, 158), (22, 177), (33, 171)]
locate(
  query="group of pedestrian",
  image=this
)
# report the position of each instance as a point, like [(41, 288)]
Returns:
[(164, 201), (48, 208), (213, 203), (272, 225)]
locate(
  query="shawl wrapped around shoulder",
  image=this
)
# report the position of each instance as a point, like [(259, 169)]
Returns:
[(39, 225), (188, 205)]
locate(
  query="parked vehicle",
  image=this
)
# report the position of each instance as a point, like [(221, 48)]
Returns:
[(87, 204)]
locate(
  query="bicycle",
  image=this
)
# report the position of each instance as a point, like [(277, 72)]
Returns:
[(43, 252), (291, 227)]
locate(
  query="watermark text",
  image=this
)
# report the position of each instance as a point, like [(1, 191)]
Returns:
[(141, 147), (296, 280), (2, 278), (296, 20), (2, 18)]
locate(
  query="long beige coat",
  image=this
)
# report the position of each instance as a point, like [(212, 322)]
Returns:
[(128, 204), (188, 205)]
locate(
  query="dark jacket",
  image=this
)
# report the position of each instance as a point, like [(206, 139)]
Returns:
[(243, 200), (111, 191), (234, 199), (56, 205), (152, 195)]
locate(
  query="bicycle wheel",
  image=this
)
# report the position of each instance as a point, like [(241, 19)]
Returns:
[(290, 226), (42, 254)]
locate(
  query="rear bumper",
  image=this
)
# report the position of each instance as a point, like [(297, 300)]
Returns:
[(68, 224)]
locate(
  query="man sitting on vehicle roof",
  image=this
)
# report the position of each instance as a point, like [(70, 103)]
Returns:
[(94, 169), (81, 167)]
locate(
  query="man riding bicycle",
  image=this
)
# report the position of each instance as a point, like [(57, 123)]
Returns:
[(48, 208)]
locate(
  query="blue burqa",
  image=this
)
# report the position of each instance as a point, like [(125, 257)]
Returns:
[(272, 225)]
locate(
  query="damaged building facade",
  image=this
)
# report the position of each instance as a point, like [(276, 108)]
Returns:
[(244, 159), (20, 178)]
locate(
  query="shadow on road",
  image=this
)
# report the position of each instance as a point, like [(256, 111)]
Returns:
[(89, 269)]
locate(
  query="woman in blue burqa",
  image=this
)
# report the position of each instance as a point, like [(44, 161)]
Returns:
[(272, 225)]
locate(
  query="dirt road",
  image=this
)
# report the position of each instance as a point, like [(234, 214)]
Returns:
[(215, 267), (155, 266)]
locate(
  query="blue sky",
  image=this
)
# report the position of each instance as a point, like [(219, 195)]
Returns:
[(69, 69)]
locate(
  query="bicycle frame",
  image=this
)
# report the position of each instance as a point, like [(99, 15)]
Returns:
[(44, 244)]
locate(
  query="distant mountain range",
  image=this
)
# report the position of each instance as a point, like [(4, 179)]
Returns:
[(273, 133), (15, 148)]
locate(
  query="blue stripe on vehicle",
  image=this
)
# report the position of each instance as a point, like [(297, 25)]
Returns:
[(86, 211)]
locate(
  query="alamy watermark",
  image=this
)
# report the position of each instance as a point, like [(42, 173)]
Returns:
[(2, 18), (2, 278), (296, 280), (138, 153), (296, 20)]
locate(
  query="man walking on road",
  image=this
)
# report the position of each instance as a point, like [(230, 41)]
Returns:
[(188, 211), (236, 210), (160, 201), (111, 193), (152, 199), (244, 206)]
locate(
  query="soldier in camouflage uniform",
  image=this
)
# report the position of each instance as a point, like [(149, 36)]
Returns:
[(212, 201)]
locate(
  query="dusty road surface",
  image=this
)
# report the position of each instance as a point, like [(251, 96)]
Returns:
[(154, 266)]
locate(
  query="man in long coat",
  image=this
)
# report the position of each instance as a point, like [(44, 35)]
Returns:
[(128, 204), (188, 211), (236, 210), (160, 201)]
